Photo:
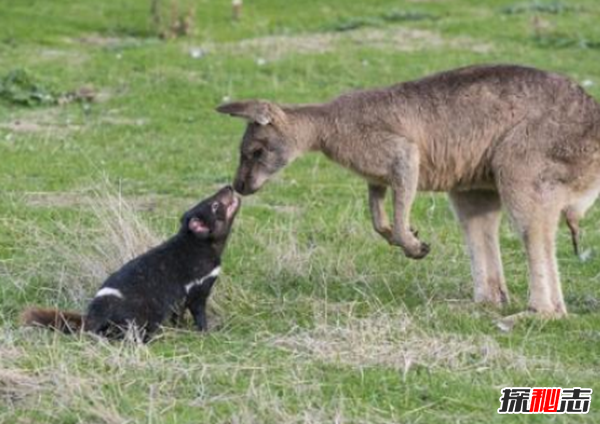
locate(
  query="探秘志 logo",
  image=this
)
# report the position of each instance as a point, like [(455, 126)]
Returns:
[(545, 400)]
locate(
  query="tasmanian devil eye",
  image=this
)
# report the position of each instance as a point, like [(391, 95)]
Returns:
[(257, 154), (215, 206)]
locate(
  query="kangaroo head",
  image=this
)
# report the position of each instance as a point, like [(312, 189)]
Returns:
[(268, 144)]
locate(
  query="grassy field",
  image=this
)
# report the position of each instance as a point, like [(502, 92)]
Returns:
[(315, 319)]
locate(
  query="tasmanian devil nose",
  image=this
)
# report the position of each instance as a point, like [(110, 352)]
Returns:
[(226, 191)]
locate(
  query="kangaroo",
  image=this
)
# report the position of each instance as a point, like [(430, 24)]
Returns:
[(489, 136), (161, 283)]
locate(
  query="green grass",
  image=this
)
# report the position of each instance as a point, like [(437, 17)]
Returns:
[(316, 318)]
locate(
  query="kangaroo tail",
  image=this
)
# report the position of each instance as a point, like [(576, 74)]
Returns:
[(66, 322)]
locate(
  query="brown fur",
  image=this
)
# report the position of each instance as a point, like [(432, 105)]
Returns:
[(490, 136), (66, 322)]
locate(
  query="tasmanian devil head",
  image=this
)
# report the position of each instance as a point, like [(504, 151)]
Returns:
[(212, 218), (265, 148)]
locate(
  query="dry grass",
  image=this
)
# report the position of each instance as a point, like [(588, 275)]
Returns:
[(288, 255), (398, 341), (76, 257), (16, 385), (84, 200), (241, 387), (278, 47), (91, 375), (93, 378)]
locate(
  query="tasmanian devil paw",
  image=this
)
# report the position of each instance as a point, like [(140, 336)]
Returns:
[(419, 252)]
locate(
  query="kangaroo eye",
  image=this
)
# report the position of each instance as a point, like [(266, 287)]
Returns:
[(257, 154), (215, 206)]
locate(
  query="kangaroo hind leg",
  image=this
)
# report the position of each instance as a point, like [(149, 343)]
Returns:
[(536, 216), (479, 214)]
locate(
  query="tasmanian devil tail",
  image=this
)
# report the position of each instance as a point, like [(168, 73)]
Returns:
[(67, 322)]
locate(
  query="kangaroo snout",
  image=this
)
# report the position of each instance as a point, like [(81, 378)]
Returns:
[(241, 187), (249, 183)]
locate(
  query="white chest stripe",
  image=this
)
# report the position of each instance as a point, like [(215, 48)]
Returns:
[(109, 291), (214, 273)]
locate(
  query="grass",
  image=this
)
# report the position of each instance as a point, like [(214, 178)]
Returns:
[(315, 318)]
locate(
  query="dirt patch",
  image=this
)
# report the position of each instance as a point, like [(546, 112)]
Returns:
[(400, 39), (277, 47), (67, 57), (408, 40), (22, 127), (101, 41), (28, 127), (111, 42), (120, 120), (56, 121), (46, 121)]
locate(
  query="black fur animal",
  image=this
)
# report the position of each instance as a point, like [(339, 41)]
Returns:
[(161, 283)]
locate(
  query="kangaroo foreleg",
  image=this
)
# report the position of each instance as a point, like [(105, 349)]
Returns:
[(404, 182), (378, 215)]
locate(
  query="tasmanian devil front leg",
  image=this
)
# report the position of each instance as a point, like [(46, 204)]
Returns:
[(196, 302), (404, 180), (198, 310)]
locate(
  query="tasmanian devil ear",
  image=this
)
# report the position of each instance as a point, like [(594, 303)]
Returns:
[(198, 227), (259, 111)]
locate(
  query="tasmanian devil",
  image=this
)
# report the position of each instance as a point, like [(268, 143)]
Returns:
[(161, 283)]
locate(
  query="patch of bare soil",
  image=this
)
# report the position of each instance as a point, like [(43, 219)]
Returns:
[(276, 47), (49, 121), (68, 57), (405, 39), (46, 121), (110, 42), (401, 39), (22, 126), (121, 120), (101, 41)]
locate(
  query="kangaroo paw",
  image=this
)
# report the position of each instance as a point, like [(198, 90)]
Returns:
[(413, 247), (506, 324), (386, 233), (420, 252)]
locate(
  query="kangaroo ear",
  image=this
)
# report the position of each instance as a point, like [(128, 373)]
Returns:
[(258, 111)]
